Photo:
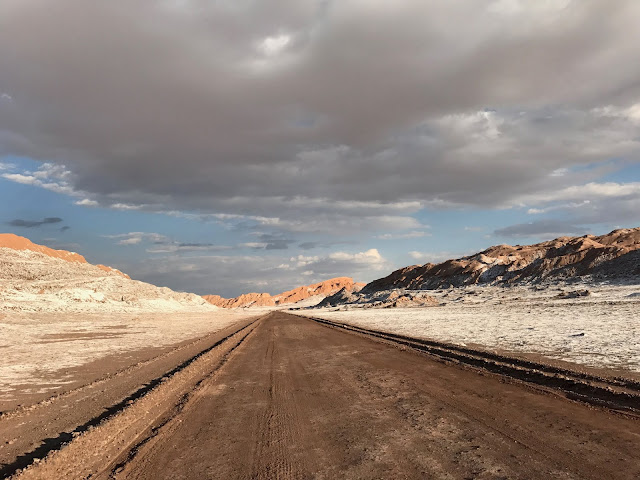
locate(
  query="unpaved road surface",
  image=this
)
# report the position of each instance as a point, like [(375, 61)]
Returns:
[(295, 399)]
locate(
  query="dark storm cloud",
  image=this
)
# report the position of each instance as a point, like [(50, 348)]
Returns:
[(541, 228), (317, 111), (19, 222), (65, 228)]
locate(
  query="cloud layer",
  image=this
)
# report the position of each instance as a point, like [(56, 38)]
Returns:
[(317, 108), (229, 275)]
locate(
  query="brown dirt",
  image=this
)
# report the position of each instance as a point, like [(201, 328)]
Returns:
[(290, 398), (31, 429)]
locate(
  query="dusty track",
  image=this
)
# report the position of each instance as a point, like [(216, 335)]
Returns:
[(29, 434), (290, 398), (612, 392)]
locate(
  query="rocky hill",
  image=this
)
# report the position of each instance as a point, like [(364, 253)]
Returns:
[(615, 255), (15, 242), (321, 289), (35, 278)]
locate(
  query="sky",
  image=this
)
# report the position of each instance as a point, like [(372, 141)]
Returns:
[(234, 146)]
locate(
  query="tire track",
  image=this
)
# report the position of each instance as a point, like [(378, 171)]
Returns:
[(618, 394), (277, 427), (105, 436), (156, 429), (300, 400)]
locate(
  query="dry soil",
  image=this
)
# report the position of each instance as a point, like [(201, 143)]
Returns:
[(293, 399)]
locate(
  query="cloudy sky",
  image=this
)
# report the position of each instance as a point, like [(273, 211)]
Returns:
[(230, 146)]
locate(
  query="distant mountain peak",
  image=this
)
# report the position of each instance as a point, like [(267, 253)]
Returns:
[(324, 288)]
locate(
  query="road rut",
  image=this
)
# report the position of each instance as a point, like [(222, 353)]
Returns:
[(301, 400)]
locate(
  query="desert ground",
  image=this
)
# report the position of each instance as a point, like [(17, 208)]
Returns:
[(590, 324), (285, 396), (48, 354)]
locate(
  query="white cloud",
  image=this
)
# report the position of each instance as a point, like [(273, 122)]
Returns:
[(303, 260), (56, 178), (587, 192), (432, 257), (130, 241), (85, 202), (125, 206), (20, 178), (135, 238), (604, 203), (562, 206), (275, 44), (254, 245), (370, 257)]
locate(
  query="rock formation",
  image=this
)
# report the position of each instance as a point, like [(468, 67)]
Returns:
[(383, 299), (615, 255), (327, 287), (35, 278), (9, 240), (15, 242)]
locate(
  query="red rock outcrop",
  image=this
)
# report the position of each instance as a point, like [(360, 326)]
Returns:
[(615, 255), (9, 240), (244, 300), (328, 287)]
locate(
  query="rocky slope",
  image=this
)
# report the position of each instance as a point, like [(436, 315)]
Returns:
[(15, 242), (613, 256), (321, 289), (35, 278), (383, 299)]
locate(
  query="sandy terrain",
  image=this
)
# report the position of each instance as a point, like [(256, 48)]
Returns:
[(42, 354), (65, 322), (288, 398), (30, 433), (599, 330)]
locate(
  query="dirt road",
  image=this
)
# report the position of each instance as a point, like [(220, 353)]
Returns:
[(295, 399)]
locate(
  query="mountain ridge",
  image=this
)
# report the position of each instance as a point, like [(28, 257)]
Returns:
[(326, 287), (612, 255)]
